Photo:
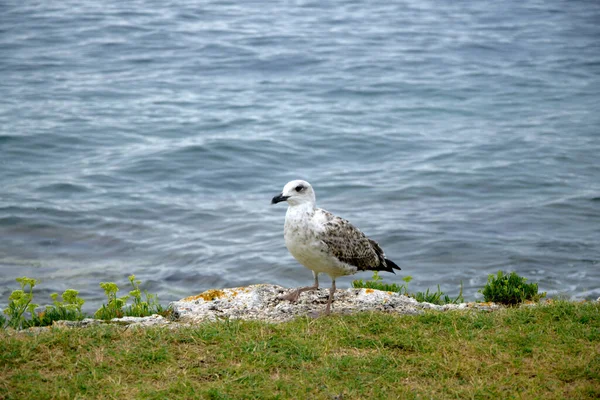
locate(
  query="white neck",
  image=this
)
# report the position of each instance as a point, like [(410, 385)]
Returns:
[(300, 208)]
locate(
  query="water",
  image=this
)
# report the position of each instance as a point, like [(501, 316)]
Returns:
[(148, 138)]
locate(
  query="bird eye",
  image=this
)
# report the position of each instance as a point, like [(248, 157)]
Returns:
[(299, 188)]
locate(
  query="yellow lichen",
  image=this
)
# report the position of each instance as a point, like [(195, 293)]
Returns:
[(369, 290), (209, 295)]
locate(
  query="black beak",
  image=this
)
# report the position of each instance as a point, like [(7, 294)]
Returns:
[(279, 198)]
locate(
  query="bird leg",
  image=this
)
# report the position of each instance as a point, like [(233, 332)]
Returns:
[(293, 296), (331, 292)]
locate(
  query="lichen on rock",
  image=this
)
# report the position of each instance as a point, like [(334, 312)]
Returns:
[(264, 302)]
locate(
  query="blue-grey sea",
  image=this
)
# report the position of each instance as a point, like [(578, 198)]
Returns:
[(148, 137)]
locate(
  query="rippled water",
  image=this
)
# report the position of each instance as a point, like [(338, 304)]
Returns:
[(148, 137)]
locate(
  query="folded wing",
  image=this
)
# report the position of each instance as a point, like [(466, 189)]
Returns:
[(349, 245)]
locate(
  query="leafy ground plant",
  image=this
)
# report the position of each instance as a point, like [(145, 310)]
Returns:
[(69, 309), (377, 283), (510, 289), (114, 307), (19, 302), (117, 306), (438, 297), (21, 306), (142, 308), (21, 311)]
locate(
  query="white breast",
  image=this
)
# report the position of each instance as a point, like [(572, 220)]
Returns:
[(301, 232)]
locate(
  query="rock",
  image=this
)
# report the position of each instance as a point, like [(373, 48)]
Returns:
[(263, 302), (84, 323), (153, 320)]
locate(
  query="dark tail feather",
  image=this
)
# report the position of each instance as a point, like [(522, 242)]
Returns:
[(391, 266)]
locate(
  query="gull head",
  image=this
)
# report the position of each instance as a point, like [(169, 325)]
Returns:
[(296, 193)]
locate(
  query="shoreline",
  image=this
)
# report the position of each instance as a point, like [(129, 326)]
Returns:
[(262, 302)]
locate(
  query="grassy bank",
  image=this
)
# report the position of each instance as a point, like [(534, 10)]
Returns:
[(549, 351)]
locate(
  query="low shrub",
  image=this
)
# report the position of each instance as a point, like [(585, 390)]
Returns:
[(510, 289)]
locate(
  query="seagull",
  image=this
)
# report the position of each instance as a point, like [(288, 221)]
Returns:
[(325, 243)]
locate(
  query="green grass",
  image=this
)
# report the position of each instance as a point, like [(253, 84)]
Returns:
[(549, 351)]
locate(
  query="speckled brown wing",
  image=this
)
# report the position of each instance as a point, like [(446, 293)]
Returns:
[(348, 244)]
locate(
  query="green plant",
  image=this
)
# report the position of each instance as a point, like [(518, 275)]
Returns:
[(70, 304), (142, 308), (20, 301), (68, 309), (117, 306), (439, 297), (510, 289), (376, 283), (114, 307)]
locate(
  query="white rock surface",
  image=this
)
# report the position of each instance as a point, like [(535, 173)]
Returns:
[(83, 323), (153, 320), (263, 302)]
